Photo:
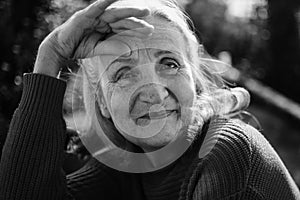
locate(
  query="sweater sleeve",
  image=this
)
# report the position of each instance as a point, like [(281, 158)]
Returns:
[(242, 165), (32, 157), (268, 176)]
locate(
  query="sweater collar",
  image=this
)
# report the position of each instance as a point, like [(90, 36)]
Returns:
[(166, 183)]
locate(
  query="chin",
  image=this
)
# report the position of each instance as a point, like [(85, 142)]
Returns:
[(156, 142)]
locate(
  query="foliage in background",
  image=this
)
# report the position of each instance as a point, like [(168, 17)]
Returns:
[(265, 46)]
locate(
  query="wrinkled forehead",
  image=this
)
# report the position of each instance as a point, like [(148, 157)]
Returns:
[(164, 39)]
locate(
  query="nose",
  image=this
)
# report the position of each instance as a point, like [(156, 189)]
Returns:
[(153, 94)]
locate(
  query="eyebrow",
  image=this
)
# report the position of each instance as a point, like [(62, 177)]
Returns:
[(122, 59), (159, 53)]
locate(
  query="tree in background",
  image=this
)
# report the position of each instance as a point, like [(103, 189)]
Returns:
[(266, 45), (284, 47), (23, 25), (17, 49)]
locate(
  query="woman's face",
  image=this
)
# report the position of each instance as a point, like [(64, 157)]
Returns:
[(147, 86)]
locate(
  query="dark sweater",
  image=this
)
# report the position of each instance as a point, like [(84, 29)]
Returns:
[(229, 160)]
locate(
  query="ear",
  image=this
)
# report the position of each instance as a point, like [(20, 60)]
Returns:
[(103, 107)]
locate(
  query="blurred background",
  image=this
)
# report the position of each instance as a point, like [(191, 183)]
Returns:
[(259, 38)]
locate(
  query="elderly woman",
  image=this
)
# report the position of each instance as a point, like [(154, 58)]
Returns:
[(160, 120)]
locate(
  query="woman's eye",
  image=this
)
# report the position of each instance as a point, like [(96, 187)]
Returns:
[(169, 66), (122, 73), (170, 62)]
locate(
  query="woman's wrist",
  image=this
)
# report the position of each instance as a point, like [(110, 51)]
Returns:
[(48, 61)]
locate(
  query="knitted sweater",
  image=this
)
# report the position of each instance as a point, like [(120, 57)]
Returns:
[(240, 165)]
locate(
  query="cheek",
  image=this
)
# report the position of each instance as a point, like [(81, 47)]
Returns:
[(113, 95), (183, 88), (117, 103)]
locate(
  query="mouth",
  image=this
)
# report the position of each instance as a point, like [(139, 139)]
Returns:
[(145, 119), (158, 115)]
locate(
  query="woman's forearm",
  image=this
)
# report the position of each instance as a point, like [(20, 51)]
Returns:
[(32, 157)]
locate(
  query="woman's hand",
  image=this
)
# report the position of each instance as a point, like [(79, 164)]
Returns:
[(77, 37)]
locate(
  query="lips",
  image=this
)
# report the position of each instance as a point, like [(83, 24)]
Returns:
[(145, 119), (159, 115), (154, 114)]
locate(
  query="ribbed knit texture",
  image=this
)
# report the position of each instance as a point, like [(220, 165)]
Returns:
[(32, 156), (241, 164)]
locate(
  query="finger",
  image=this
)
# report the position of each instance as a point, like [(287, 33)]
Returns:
[(97, 8), (115, 14), (87, 45), (144, 31), (133, 33), (131, 23)]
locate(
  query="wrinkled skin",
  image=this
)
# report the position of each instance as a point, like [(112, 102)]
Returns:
[(155, 76)]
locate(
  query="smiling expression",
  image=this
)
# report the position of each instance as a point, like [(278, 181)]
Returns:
[(147, 85)]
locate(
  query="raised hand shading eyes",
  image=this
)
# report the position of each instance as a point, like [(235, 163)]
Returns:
[(78, 36)]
